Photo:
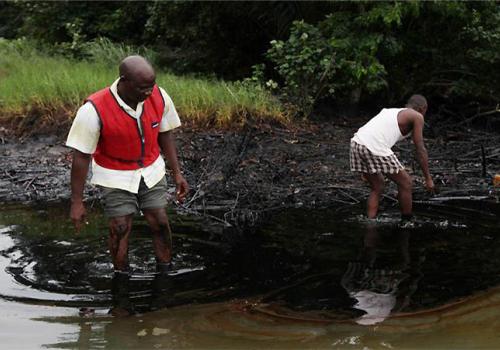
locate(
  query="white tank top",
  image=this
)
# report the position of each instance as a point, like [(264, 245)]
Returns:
[(381, 132)]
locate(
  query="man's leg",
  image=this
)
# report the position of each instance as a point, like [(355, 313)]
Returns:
[(376, 182), (119, 233), (161, 294), (162, 236), (405, 184)]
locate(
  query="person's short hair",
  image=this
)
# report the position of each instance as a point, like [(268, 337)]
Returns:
[(417, 102)]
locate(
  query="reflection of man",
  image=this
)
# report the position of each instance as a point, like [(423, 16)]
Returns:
[(379, 291), (122, 129), (161, 294), (371, 152)]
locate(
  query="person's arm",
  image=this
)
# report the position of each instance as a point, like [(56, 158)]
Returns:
[(167, 145), (421, 151), (82, 138), (79, 170)]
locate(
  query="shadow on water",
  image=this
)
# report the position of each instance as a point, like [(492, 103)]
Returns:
[(302, 269)]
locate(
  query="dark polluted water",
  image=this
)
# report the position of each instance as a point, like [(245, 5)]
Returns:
[(308, 279)]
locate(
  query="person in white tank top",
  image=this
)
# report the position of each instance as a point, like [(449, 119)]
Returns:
[(371, 152), (381, 132)]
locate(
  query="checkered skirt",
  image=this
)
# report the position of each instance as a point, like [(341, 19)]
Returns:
[(362, 160)]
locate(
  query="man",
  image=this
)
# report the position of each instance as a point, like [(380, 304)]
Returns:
[(122, 129), (371, 153)]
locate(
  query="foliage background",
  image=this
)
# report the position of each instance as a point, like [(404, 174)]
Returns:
[(341, 56)]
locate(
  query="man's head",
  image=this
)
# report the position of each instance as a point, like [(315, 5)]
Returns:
[(137, 79), (418, 103)]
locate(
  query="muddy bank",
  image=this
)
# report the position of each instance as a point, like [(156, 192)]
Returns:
[(239, 177)]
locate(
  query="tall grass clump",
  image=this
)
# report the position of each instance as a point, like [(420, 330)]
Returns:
[(223, 102), (102, 50), (34, 79)]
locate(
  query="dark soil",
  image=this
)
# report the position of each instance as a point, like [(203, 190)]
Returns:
[(239, 177)]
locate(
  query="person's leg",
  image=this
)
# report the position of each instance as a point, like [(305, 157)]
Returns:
[(376, 182), (119, 233), (405, 184), (120, 207), (153, 202), (162, 236)]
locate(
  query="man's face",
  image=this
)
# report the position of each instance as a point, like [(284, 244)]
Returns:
[(139, 88)]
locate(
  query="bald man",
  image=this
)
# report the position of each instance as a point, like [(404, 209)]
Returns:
[(123, 131), (371, 153)]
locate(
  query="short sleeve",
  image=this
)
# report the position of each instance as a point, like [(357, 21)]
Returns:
[(85, 130), (170, 119)]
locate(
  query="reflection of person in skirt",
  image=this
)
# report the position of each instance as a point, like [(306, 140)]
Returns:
[(371, 152), (380, 290)]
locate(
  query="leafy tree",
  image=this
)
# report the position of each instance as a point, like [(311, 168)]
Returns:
[(69, 25), (10, 20), (306, 64), (385, 51), (215, 37), (336, 58), (222, 37), (350, 53)]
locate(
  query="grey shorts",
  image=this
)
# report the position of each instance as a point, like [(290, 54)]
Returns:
[(119, 202), (362, 160)]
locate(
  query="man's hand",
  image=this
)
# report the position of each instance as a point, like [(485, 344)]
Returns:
[(182, 187), (429, 185), (79, 170), (78, 214)]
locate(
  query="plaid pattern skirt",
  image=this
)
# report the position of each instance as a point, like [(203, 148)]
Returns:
[(362, 160)]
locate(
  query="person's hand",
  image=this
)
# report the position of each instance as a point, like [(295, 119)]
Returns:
[(429, 185), (77, 214), (182, 187)]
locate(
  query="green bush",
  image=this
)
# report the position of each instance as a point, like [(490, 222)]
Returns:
[(305, 63), (386, 51), (333, 59)]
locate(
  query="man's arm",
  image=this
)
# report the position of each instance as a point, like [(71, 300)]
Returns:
[(422, 157), (79, 170), (167, 145)]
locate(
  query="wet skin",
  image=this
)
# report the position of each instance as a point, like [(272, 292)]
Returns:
[(119, 234)]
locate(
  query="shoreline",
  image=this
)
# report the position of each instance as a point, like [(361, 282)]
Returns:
[(239, 176)]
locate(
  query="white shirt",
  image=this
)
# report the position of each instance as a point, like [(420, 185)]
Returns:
[(381, 132), (84, 136)]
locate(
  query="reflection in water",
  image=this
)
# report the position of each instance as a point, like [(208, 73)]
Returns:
[(120, 290), (381, 289), (160, 294), (46, 257), (470, 324), (308, 280), (446, 261)]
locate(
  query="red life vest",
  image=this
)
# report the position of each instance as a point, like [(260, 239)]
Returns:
[(121, 145)]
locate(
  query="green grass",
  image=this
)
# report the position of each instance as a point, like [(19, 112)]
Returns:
[(31, 79)]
